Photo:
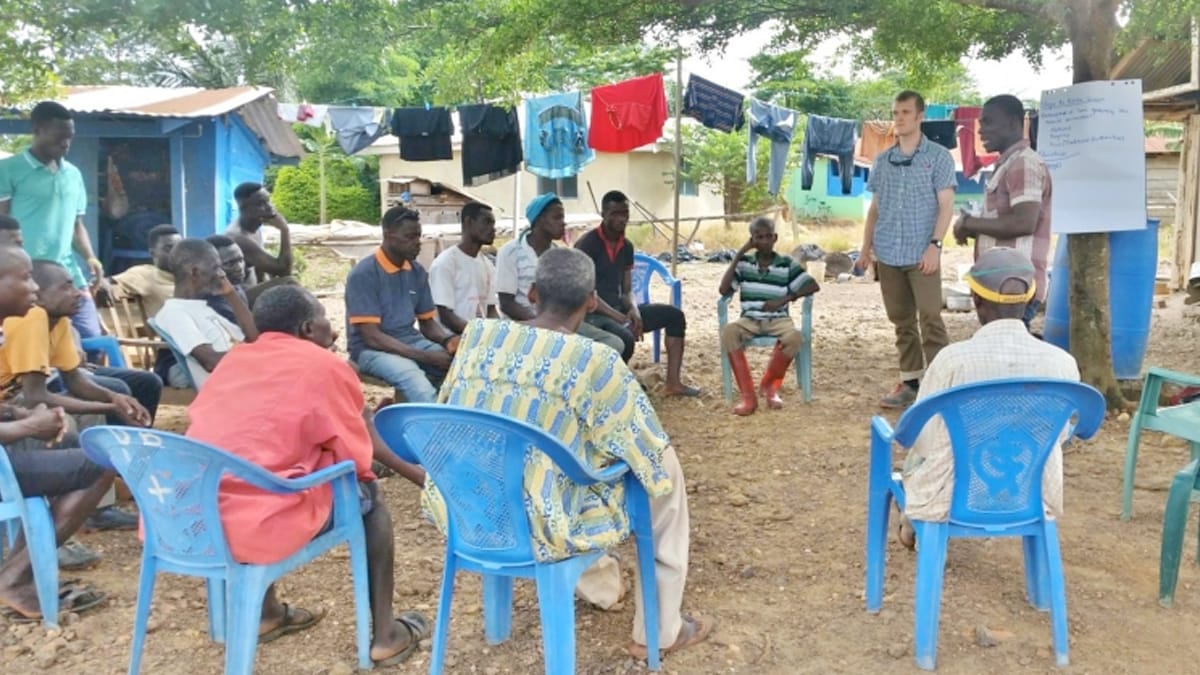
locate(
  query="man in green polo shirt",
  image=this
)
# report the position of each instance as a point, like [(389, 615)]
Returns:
[(45, 192)]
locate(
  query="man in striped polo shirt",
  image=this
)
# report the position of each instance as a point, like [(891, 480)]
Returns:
[(769, 282)]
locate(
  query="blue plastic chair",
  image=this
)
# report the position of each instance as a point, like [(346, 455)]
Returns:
[(1001, 432), (803, 358), (107, 345), (180, 357), (644, 268), (31, 516), (175, 482), (477, 460)]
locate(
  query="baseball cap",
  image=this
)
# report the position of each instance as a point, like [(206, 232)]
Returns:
[(994, 268)]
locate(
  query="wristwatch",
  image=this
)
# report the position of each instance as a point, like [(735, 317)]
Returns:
[(936, 242)]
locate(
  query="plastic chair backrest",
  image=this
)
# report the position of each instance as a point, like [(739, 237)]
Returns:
[(477, 460), (180, 357), (174, 481), (1002, 432), (644, 268)]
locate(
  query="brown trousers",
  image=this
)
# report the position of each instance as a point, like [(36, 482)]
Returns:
[(914, 306)]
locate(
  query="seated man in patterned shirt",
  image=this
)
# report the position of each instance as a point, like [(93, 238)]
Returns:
[(1002, 282), (541, 372), (769, 282)]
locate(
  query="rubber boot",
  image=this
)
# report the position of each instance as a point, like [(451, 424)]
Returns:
[(772, 380), (745, 383)]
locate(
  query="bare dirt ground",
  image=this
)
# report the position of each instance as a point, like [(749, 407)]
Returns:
[(777, 503)]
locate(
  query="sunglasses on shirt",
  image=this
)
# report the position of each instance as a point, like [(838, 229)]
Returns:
[(903, 162)]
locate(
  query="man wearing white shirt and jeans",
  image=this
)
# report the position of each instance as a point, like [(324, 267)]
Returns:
[(187, 320), (462, 281)]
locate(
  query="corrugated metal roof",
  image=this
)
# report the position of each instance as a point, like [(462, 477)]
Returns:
[(256, 106), (185, 102), (1159, 64)]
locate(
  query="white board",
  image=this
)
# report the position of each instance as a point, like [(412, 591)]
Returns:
[(1092, 140)]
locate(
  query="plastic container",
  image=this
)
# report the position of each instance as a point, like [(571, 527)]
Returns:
[(1133, 263)]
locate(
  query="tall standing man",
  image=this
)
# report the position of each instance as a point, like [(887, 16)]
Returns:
[(1016, 209), (45, 192), (913, 185)]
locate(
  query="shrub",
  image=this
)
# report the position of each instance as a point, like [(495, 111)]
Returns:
[(297, 192)]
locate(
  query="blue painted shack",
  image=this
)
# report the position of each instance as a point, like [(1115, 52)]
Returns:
[(152, 155)]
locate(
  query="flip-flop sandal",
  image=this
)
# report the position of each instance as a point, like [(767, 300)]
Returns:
[(291, 625), (418, 627), (695, 630), (73, 596)]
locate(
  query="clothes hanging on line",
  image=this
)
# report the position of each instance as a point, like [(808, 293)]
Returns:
[(303, 113), (491, 145), (877, 136), (1031, 127), (356, 128), (777, 124), (628, 114), (941, 132), (556, 135), (939, 111), (829, 136), (715, 107), (424, 133)]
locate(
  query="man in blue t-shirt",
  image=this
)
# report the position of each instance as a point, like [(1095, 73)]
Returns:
[(45, 192), (390, 324)]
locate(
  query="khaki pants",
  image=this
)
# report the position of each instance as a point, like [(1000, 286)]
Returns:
[(914, 306), (600, 584), (735, 335)]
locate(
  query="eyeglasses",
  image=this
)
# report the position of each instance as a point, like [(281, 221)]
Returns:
[(903, 162)]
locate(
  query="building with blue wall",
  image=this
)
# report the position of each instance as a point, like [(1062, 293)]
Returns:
[(150, 155)]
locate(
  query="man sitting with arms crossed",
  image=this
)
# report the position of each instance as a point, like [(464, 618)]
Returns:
[(769, 283), (199, 332), (1002, 281), (516, 265), (591, 401), (462, 280), (44, 452), (42, 340), (290, 405), (386, 293)]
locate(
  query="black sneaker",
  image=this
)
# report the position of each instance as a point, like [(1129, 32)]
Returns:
[(110, 518)]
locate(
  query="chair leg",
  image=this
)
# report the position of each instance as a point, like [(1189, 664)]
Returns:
[(932, 539), (1174, 523), (43, 556), (804, 370), (726, 376), (362, 594), (441, 626), (1131, 452), (244, 593), (556, 604), (497, 608), (639, 511), (141, 616), (217, 611), (1058, 593), (879, 505), (1035, 573)]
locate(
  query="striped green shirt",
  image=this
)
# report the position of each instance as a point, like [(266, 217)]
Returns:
[(782, 278)]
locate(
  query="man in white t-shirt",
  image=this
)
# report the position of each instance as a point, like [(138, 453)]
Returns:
[(516, 265), (188, 322), (461, 280)]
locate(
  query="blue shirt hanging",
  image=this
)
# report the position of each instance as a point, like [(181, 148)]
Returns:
[(556, 135)]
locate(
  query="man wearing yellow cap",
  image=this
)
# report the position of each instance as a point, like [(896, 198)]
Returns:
[(1002, 283)]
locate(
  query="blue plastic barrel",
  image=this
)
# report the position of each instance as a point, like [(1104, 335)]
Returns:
[(1132, 266)]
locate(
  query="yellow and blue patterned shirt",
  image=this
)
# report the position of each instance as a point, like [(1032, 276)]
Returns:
[(578, 392)]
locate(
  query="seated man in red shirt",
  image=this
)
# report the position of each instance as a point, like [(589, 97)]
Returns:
[(288, 404)]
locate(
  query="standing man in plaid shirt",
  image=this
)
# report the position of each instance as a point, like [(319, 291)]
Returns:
[(913, 186), (1016, 209)]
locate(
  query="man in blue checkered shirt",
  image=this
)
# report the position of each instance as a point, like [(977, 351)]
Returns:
[(913, 201)]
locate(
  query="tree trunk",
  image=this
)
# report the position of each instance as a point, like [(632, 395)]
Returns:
[(1092, 28)]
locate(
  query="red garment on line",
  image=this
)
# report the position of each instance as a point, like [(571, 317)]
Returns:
[(628, 114), (970, 146)]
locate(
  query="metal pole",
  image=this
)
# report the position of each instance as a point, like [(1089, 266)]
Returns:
[(321, 178), (678, 155)]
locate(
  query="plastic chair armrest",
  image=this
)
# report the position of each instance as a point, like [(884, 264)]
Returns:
[(580, 473), (677, 293), (723, 309), (321, 477), (1173, 376)]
